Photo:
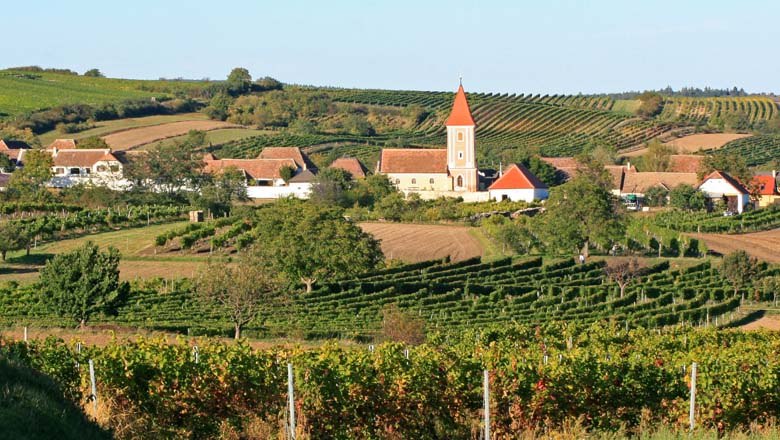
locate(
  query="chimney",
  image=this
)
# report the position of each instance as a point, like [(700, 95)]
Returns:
[(628, 165), (774, 174)]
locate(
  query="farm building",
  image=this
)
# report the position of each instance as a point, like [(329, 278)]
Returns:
[(351, 165), (13, 149), (568, 167), (720, 187), (264, 175), (87, 166), (637, 183), (62, 144), (517, 183), (766, 189)]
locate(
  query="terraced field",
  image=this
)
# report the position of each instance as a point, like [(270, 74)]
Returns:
[(403, 241), (756, 150), (136, 137), (104, 128)]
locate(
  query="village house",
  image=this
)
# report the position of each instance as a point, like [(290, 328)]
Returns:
[(351, 165), (567, 168), (517, 183), (14, 150), (719, 187), (441, 172), (638, 183), (263, 176), (766, 189), (98, 167)]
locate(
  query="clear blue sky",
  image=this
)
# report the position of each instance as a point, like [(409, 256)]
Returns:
[(554, 46)]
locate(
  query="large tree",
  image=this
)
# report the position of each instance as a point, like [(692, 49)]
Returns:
[(658, 157), (239, 81), (240, 289), (219, 192), (579, 213), (310, 243), (29, 182), (740, 269), (12, 237), (623, 273), (687, 198), (83, 282), (169, 167)]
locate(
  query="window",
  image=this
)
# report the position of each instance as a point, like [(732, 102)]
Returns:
[(86, 171), (460, 136), (264, 183), (101, 168), (460, 155), (414, 181), (74, 172), (459, 182), (59, 171), (430, 180)]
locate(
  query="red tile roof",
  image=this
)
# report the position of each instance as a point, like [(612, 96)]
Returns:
[(640, 182), (766, 185), (731, 181), (685, 163), (262, 169), (461, 113), (413, 160), (351, 165), (63, 144), (12, 149), (81, 158), (293, 153), (516, 176), (561, 162)]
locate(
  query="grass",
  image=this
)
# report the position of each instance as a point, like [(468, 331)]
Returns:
[(133, 243), (217, 137), (33, 407), (22, 92), (107, 127), (492, 249), (626, 105)]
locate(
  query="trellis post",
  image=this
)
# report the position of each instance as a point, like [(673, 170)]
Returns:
[(93, 385), (487, 404), (291, 399), (691, 412)]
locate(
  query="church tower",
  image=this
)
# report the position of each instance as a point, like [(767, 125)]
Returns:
[(461, 150)]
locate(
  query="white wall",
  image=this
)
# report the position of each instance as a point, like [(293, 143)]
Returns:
[(717, 188), (299, 190), (526, 195)]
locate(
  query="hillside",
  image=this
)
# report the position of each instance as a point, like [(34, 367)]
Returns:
[(23, 91)]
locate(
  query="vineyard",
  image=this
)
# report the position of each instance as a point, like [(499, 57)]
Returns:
[(704, 110), (756, 150), (540, 378), (750, 221)]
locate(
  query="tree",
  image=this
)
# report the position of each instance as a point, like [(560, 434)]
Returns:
[(218, 107), (92, 142), (12, 238), (331, 187), (239, 81), (6, 164), (167, 167), (268, 83), (287, 172), (241, 289), (83, 282), (739, 268), (194, 140), (369, 191), (309, 243), (95, 73), (687, 198), (658, 157), (358, 125), (732, 164), (623, 273), (219, 191), (579, 213), (29, 181), (651, 104), (656, 196)]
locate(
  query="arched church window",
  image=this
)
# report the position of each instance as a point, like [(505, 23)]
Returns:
[(459, 182), (414, 181), (460, 136)]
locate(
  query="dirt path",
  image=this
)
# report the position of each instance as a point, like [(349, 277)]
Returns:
[(770, 322), (127, 139), (412, 242), (764, 245)]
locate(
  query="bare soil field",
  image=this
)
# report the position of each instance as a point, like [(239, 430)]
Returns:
[(769, 322), (763, 245), (128, 139), (412, 242), (696, 142)]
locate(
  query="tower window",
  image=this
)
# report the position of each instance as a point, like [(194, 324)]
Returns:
[(460, 155), (459, 182), (460, 136), (414, 181)]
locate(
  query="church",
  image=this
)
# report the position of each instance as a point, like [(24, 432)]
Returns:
[(453, 172)]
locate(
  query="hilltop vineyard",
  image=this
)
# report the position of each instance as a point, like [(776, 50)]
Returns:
[(756, 150)]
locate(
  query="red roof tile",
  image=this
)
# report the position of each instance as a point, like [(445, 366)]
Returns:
[(685, 163), (640, 182), (460, 114), (63, 144), (263, 169), (561, 162), (351, 165), (413, 160), (293, 153), (81, 158), (516, 176), (766, 185)]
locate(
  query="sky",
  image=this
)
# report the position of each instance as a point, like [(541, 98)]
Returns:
[(545, 46)]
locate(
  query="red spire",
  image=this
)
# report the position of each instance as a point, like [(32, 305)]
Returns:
[(461, 114)]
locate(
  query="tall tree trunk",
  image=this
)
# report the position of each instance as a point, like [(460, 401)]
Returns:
[(237, 335), (622, 290), (309, 282)]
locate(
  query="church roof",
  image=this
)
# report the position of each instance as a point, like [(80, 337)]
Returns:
[(461, 114), (516, 176), (413, 160)]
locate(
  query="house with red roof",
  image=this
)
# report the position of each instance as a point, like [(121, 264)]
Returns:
[(517, 183), (351, 165), (97, 167), (765, 186), (720, 187), (430, 172)]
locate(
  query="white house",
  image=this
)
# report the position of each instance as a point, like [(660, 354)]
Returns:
[(719, 186), (97, 167), (518, 183)]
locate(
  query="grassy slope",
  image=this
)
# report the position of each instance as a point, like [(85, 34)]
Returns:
[(32, 407), (218, 137), (28, 91)]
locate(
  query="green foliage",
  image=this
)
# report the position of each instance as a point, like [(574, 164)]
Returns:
[(239, 81), (687, 198), (92, 142), (732, 164), (218, 107), (755, 150), (218, 193), (167, 167), (28, 182), (656, 196), (81, 283), (12, 237), (331, 188), (287, 172), (94, 73), (267, 83), (657, 158), (740, 269), (652, 104)]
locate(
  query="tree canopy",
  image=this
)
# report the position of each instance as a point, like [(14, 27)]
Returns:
[(83, 282)]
